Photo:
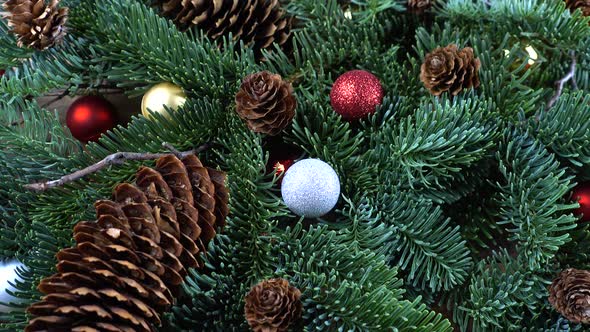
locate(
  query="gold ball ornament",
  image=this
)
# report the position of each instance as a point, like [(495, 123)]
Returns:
[(160, 95)]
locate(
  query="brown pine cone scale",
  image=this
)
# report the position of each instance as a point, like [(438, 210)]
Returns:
[(266, 102), (127, 265), (259, 23), (450, 69), (273, 306), (583, 5), (419, 6), (35, 23), (569, 294)]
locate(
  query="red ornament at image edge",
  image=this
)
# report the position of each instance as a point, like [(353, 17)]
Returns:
[(89, 117), (281, 158), (356, 94), (581, 194), (281, 166)]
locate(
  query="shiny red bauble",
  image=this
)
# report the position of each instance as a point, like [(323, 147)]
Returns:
[(356, 94), (89, 117), (581, 194)]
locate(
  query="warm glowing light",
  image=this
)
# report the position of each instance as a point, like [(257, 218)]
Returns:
[(279, 167), (533, 56), (348, 14)]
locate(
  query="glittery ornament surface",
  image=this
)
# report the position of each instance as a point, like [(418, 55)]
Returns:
[(311, 188), (8, 275), (581, 195), (356, 94)]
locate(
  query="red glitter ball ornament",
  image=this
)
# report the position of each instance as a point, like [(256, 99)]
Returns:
[(89, 117), (356, 94), (581, 194)]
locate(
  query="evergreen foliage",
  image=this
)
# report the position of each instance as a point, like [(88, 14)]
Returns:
[(455, 211)]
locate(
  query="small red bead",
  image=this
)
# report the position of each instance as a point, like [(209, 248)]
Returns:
[(581, 194), (356, 94), (89, 117)]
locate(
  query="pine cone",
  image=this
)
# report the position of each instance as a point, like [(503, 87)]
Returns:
[(128, 265), (450, 69), (257, 22), (37, 24), (266, 103), (419, 6), (583, 5), (569, 294), (272, 306)]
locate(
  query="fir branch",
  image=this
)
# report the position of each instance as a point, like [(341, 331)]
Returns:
[(570, 75), (118, 158)]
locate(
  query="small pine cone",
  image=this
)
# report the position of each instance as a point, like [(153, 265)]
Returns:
[(449, 69), (273, 306), (583, 5), (128, 265), (257, 23), (36, 24), (266, 102), (221, 196), (419, 6), (569, 294)]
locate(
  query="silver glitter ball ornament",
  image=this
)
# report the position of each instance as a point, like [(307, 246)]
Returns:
[(8, 275), (310, 188)]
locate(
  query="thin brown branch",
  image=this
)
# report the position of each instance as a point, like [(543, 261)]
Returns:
[(104, 89), (570, 75), (57, 98), (118, 158)]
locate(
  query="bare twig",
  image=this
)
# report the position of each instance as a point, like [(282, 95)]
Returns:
[(571, 75), (102, 88), (172, 149), (56, 99), (114, 159)]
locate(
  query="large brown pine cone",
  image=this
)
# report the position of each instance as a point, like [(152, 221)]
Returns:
[(583, 5), (127, 265), (419, 6), (273, 306), (449, 69), (257, 22), (36, 24), (569, 294), (266, 103)]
